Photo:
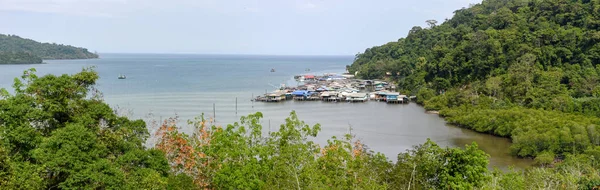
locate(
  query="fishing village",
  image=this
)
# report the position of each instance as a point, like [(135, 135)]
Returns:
[(331, 87)]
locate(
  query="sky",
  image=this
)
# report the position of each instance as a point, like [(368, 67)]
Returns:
[(271, 27)]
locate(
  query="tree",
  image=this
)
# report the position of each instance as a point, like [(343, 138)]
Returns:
[(429, 166), (493, 85), (54, 134), (431, 23), (17, 50)]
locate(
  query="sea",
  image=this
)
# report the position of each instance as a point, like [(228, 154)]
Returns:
[(161, 86)]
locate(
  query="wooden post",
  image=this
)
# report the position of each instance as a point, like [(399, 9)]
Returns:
[(236, 106), (214, 113)]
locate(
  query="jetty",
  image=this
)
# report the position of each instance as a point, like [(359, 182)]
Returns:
[(331, 87)]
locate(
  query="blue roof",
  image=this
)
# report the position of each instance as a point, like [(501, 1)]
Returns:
[(301, 92)]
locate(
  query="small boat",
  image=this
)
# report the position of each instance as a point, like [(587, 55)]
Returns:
[(272, 70), (122, 77)]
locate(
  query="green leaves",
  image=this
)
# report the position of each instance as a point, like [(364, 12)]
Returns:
[(532, 131), (429, 166), (18, 58), (17, 50), (464, 169), (240, 157), (69, 148), (4, 93), (346, 164), (53, 136), (512, 38)]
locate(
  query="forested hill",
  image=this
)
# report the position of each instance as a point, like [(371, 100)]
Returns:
[(487, 39), (15, 50), (527, 70)]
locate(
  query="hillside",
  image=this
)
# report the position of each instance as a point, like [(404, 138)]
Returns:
[(15, 50), (18, 58), (486, 40), (527, 70)]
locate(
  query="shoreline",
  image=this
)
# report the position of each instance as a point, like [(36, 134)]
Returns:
[(44, 61), (25, 63), (71, 59)]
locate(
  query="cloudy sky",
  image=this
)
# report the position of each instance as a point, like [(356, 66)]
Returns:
[(275, 27)]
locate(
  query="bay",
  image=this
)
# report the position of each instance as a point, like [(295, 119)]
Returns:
[(159, 86)]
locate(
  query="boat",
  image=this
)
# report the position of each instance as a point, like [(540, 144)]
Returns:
[(272, 70), (122, 77)]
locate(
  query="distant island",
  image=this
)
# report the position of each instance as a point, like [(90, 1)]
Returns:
[(17, 50)]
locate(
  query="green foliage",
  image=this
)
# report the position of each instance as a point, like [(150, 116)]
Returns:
[(544, 159), (574, 172), (53, 135), (528, 70), (538, 54), (181, 181), (493, 38), (17, 50), (511, 179), (424, 94), (532, 131), (429, 166), (18, 58), (240, 157)]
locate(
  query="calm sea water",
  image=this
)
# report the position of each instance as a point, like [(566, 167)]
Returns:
[(162, 86)]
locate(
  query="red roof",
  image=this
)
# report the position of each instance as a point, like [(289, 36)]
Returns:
[(309, 76)]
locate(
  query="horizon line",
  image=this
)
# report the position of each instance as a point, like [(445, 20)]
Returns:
[(249, 54)]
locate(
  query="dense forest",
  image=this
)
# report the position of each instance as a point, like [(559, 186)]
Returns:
[(17, 50), (57, 133), (18, 58), (527, 70)]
